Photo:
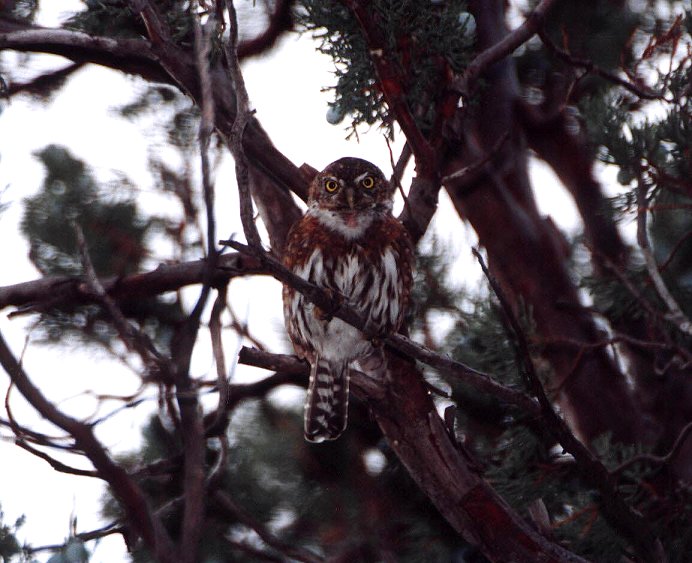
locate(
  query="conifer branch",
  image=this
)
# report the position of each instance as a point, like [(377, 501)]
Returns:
[(590, 67), (675, 314), (617, 512), (393, 88)]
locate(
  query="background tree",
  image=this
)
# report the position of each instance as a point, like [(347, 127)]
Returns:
[(564, 383)]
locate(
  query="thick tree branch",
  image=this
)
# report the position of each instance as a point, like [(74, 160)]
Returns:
[(56, 291), (404, 410), (506, 46), (525, 251), (280, 21), (132, 56)]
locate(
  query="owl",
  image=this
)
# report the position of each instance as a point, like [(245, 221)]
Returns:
[(349, 243)]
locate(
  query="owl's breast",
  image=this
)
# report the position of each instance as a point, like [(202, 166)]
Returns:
[(371, 282), (373, 275)]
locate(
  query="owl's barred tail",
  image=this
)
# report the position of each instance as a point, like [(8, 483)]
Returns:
[(326, 404)]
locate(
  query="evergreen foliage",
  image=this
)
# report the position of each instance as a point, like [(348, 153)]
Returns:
[(427, 40), (117, 243), (352, 495), (70, 194), (10, 547)]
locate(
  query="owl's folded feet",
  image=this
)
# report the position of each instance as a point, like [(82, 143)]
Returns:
[(336, 299), (374, 364), (374, 333)]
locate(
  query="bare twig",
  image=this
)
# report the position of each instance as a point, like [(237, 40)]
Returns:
[(133, 338), (220, 361), (398, 170), (109, 529), (675, 314), (480, 163), (235, 141), (54, 463), (671, 255), (656, 459), (206, 128), (191, 422), (399, 167), (590, 67), (124, 488)]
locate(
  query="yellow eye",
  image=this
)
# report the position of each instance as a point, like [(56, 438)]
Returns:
[(368, 182), (331, 186)]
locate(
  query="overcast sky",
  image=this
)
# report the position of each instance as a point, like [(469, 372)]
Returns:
[(285, 89)]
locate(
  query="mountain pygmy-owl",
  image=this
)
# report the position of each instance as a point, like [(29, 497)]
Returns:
[(348, 242)]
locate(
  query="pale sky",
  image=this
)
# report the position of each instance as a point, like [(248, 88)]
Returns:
[(285, 89)]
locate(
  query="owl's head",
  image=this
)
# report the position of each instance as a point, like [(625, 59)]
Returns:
[(351, 185)]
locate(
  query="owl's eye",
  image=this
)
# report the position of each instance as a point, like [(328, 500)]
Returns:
[(368, 182), (331, 186)]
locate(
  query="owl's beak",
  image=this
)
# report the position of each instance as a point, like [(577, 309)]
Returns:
[(349, 197)]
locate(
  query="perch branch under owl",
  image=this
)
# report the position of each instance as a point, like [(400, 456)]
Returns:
[(338, 308)]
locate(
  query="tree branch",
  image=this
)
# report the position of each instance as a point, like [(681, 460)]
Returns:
[(280, 21), (592, 68), (54, 463), (618, 513), (55, 291), (133, 56), (466, 84), (675, 314), (125, 489), (233, 510), (235, 139), (158, 61), (392, 86)]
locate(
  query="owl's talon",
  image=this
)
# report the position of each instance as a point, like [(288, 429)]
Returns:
[(374, 333), (377, 341)]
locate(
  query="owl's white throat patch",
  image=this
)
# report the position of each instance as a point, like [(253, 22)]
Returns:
[(351, 225)]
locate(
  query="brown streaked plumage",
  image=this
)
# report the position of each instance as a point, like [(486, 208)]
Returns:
[(347, 242)]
